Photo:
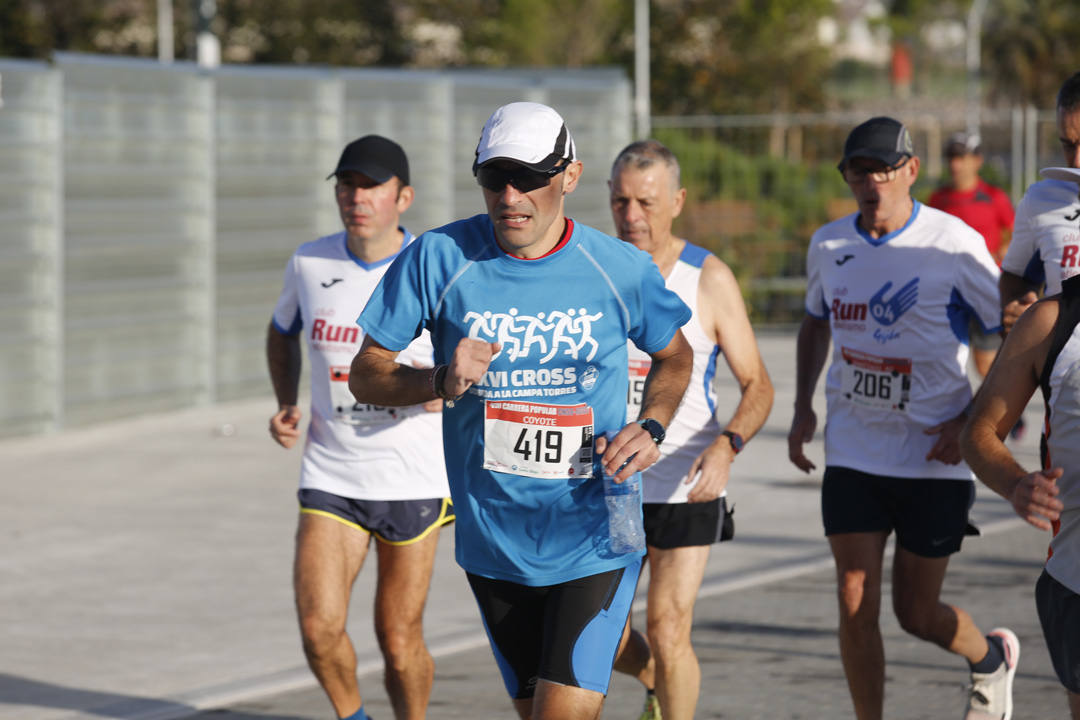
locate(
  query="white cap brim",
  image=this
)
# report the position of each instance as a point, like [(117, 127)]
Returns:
[(1061, 173), (527, 133)]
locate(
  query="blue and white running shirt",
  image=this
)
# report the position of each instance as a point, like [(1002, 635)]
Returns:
[(1045, 245), (518, 445), (898, 307), (694, 426)]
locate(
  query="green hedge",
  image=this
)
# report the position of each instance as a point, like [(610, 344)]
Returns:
[(788, 201)]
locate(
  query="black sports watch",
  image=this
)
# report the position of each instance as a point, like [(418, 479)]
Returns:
[(654, 428), (736, 440)]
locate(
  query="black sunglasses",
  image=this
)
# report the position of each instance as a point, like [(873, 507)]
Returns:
[(520, 178)]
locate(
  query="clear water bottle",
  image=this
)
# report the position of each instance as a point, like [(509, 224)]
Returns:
[(623, 502)]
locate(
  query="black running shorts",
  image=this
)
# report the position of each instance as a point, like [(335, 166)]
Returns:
[(674, 525), (1059, 614), (930, 516), (566, 633)]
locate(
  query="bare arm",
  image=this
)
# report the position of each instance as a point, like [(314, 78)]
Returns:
[(664, 388), (376, 377), (724, 319), (283, 358), (1017, 295), (811, 352), (1011, 382)]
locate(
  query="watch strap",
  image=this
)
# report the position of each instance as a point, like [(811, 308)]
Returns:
[(736, 440)]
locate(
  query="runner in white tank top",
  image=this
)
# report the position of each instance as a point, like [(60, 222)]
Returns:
[(685, 509)]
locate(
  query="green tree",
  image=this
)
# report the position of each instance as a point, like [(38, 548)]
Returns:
[(738, 56), (527, 33), (37, 28), (1028, 49)]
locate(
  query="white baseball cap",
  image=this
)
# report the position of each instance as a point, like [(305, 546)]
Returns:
[(527, 133), (1061, 173)]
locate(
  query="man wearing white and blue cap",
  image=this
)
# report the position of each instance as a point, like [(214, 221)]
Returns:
[(894, 286), (529, 314)]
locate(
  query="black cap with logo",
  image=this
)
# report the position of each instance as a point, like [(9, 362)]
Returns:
[(375, 156), (879, 138)]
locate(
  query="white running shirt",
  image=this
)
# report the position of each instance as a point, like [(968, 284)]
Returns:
[(1045, 245), (355, 450), (898, 307), (694, 426), (1061, 392), (1062, 441)]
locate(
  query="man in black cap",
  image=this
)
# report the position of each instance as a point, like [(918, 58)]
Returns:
[(361, 474), (894, 286)]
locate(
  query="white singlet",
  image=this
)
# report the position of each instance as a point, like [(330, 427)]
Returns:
[(1045, 245), (355, 450), (1061, 392), (694, 426), (898, 308)]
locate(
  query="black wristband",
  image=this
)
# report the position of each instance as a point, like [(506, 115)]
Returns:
[(438, 378)]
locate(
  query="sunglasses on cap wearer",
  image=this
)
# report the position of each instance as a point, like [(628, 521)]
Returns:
[(856, 175), (518, 177)]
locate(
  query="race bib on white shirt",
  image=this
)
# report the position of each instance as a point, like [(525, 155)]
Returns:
[(347, 410), (537, 439), (639, 370), (878, 382)]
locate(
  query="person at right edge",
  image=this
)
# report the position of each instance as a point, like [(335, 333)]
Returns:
[(1046, 241), (1042, 351), (894, 285)]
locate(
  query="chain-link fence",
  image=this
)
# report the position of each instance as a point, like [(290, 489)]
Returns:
[(758, 186)]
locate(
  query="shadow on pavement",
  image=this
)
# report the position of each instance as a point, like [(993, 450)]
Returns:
[(27, 691)]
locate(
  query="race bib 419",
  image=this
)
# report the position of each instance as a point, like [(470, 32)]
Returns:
[(537, 439)]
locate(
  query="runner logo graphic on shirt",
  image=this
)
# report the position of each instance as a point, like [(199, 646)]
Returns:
[(887, 312), (539, 338)]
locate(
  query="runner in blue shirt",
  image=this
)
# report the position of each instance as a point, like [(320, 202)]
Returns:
[(529, 314)]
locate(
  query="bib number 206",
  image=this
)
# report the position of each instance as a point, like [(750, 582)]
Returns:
[(874, 381), (872, 385)]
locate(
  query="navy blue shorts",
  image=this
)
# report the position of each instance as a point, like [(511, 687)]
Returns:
[(394, 522), (1059, 615), (566, 633), (930, 516)]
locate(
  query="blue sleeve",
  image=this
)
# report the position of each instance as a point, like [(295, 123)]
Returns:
[(398, 309), (660, 312)]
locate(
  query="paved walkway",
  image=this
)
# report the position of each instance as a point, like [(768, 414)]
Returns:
[(146, 576)]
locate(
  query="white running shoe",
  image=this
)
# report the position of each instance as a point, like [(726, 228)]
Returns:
[(991, 693)]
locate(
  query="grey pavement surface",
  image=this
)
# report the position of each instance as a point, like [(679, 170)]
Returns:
[(146, 576)]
